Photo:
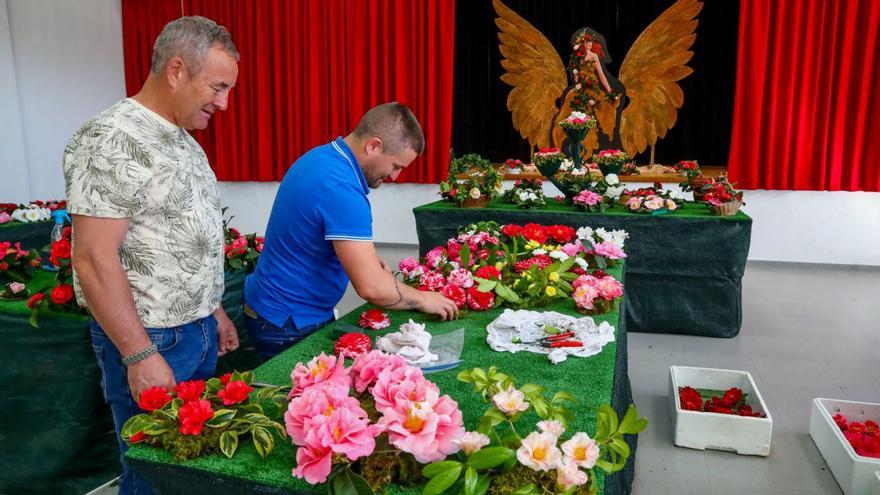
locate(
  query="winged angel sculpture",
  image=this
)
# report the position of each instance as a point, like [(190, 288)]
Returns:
[(633, 110)]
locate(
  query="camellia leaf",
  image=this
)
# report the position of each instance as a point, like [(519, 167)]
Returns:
[(489, 457), (483, 483), (465, 255), (135, 424), (436, 468), (504, 292), (529, 489), (601, 263), (221, 418), (442, 480), (530, 389), (485, 285), (470, 481), (229, 443), (632, 423), (562, 396)]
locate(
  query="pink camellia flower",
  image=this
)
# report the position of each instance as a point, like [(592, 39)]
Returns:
[(433, 281), (609, 250), (314, 406), (551, 426), (471, 442), (584, 296), (427, 430), (671, 205), (582, 450), (539, 452), (569, 475), (436, 257), (366, 368), (16, 287), (407, 265), (313, 464), (4, 217), (461, 277), (654, 203), (634, 203), (587, 197), (585, 280), (404, 383), (320, 369), (573, 248), (609, 288), (510, 401), (345, 431)]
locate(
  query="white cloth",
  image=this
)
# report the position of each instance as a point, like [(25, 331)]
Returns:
[(410, 343), (518, 330)]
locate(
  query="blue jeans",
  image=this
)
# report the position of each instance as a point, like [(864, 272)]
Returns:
[(191, 352), (270, 340)]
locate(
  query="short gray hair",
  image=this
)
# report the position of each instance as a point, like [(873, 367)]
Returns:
[(190, 38)]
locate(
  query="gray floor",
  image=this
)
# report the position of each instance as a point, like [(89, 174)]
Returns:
[(808, 331)]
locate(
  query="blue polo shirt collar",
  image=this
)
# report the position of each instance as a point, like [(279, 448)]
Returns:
[(352, 161)]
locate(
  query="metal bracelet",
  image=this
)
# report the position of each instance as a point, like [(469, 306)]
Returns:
[(140, 356)]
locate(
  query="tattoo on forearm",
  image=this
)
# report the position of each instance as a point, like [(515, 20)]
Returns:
[(409, 304)]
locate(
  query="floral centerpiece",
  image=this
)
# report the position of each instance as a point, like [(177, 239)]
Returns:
[(17, 263), (499, 457), (652, 200), (526, 194), (480, 184), (548, 161), (200, 417), (363, 427), (571, 179), (241, 251), (59, 295), (694, 179), (722, 198), (576, 127), (610, 161), (516, 266), (513, 165)]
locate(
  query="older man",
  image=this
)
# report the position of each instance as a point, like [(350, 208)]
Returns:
[(148, 233), (320, 234)]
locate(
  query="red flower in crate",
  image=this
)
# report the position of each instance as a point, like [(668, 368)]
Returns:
[(690, 399), (731, 397), (351, 345), (374, 319), (840, 419), (716, 406)]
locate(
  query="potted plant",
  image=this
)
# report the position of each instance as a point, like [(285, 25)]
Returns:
[(514, 165), (472, 182), (611, 161), (722, 198), (694, 178)]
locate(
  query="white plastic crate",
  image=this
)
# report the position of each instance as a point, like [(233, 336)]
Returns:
[(855, 474), (705, 430)]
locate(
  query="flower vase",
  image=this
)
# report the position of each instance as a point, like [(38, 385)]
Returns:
[(575, 145), (481, 202), (548, 168), (611, 168)]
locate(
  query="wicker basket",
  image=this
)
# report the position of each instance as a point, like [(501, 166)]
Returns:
[(476, 203), (727, 209), (697, 184)]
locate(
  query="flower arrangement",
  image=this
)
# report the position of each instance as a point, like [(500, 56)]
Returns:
[(722, 198), (17, 263), (548, 160), (362, 427), (60, 295), (516, 266), (514, 165), (864, 437), (526, 194), (595, 293), (572, 179), (578, 121), (730, 401), (497, 459), (200, 417), (242, 251), (690, 168), (610, 161), (31, 213), (480, 184), (650, 200), (694, 179)]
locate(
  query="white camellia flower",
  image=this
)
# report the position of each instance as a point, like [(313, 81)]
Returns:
[(577, 115), (566, 165), (569, 475), (18, 215), (475, 193), (582, 450), (614, 192), (585, 233), (612, 179), (559, 255), (510, 401), (551, 426), (471, 442), (32, 215), (523, 196), (45, 213), (603, 234), (533, 196), (581, 263), (539, 452)]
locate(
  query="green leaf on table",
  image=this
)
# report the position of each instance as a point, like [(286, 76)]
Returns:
[(465, 255), (154, 429), (485, 285), (530, 389), (505, 293), (229, 443), (479, 375), (442, 480), (263, 441), (632, 424), (436, 468), (221, 418), (135, 424), (529, 489), (489, 457), (465, 376), (619, 446), (470, 481)]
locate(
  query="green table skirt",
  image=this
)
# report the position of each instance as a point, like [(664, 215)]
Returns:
[(30, 235), (684, 269), (596, 380), (57, 432)]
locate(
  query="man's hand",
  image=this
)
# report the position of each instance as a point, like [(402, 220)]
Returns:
[(436, 304), (227, 335), (151, 372)]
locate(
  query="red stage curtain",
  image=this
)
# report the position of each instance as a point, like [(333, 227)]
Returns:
[(807, 105), (308, 71)]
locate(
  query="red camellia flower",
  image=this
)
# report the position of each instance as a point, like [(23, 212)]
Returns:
[(61, 294), (153, 398), (480, 301), (192, 416), (455, 294), (234, 392), (137, 437), (599, 273), (190, 390), (560, 233), (857, 428), (488, 272), (690, 399), (374, 319), (224, 379), (732, 397), (840, 419), (60, 249), (35, 300), (511, 230), (453, 249), (542, 260), (351, 345), (715, 405), (534, 232)]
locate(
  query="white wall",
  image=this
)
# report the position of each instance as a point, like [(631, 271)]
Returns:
[(61, 62)]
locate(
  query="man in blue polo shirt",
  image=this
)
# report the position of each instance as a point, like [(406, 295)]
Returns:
[(320, 234)]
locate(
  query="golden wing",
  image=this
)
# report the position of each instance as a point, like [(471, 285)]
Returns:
[(535, 71), (650, 71)]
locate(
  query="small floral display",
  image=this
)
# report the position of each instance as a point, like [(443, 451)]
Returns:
[(650, 200), (14, 291), (59, 296), (17, 264), (864, 437), (340, 443), (730, 401), (547, 156), (513, 165), (611, 157), (503, 458), (375, 319), (575, 178), (526, 194), (595, 293), (200, 417), (690, 168), (720, 192), (242, 251), (481, 180), (578, 120), (519, 266), (351, 345)]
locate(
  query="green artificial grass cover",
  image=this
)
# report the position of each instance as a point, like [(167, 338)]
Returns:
[(590, 380), (40, 280)]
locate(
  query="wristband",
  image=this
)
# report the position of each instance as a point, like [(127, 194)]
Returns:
[(140, 356)]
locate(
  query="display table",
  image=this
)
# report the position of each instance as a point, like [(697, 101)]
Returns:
[(597, 380), (57, 432), (684, 271), (31, 235)]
